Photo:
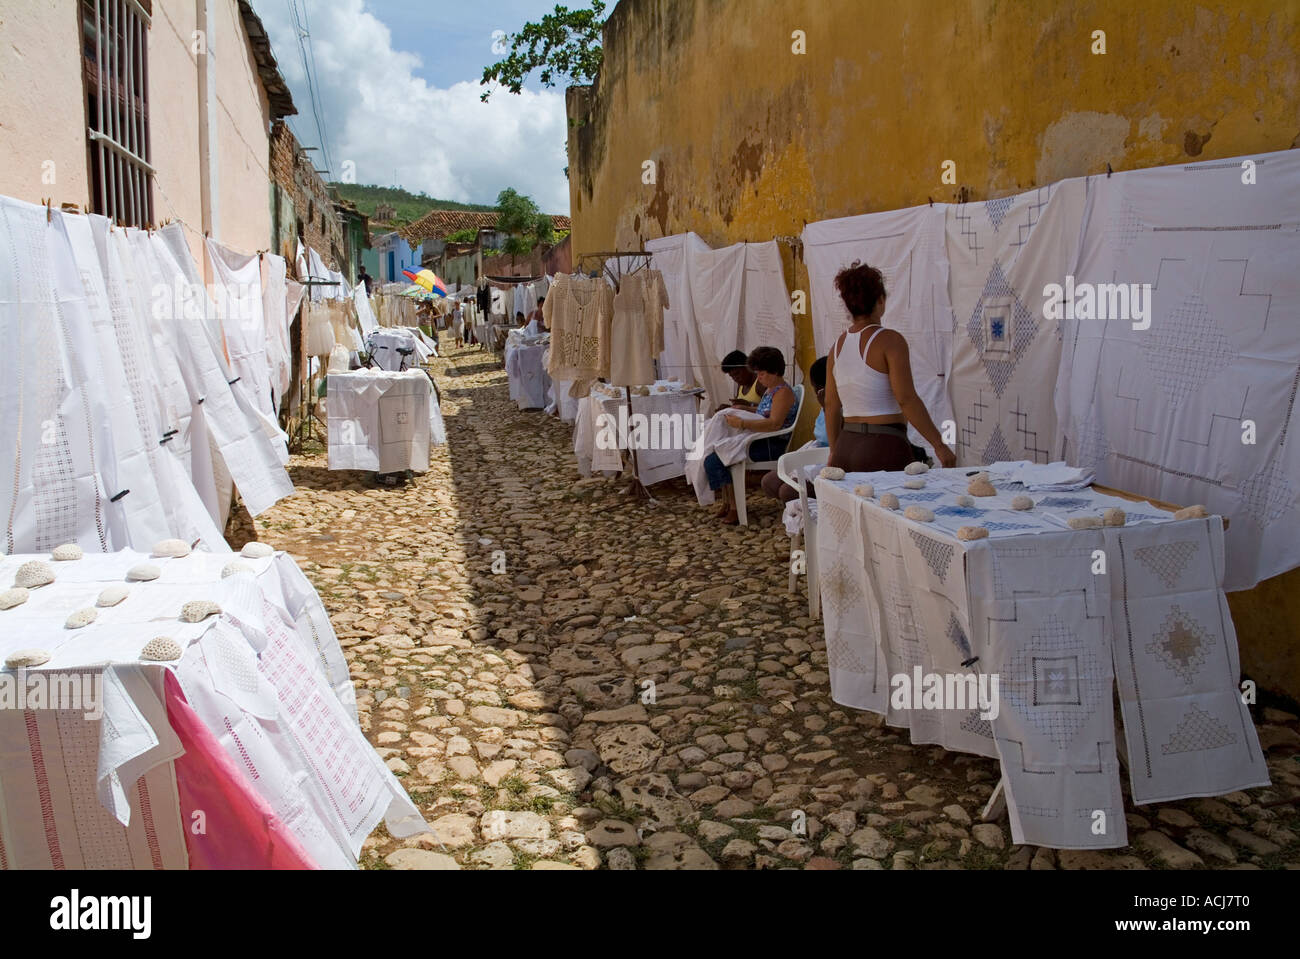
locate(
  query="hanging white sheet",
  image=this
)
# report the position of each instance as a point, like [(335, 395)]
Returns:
[(907, 246), (275, 321), (713, 325), (765, 318), (56, 429), (251, 444), (1006, 352), (1199, 407), (670, 260), (237, 293)]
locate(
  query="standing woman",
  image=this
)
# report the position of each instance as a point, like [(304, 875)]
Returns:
[(870, 397)]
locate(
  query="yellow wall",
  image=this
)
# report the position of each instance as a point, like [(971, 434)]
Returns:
[(751, 140)]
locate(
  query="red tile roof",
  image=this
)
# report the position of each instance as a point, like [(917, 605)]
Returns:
[(440, 224)]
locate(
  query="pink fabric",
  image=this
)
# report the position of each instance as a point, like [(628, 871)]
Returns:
[(241, 832)]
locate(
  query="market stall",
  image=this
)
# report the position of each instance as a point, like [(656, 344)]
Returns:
[(173, 711), (383, 421), (1057, 595), (526, 371), (659, 422)]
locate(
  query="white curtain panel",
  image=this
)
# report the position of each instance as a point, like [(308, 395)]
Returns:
[(908, 247), (1199, 407)]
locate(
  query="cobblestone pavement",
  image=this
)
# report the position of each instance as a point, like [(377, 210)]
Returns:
[(510, 703)]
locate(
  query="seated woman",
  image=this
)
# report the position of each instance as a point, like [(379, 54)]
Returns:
[(748, 390), (870, 397), (778, 409), (773, 485)]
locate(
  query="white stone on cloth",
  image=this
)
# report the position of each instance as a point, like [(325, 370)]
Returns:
[(197, 610), (112, 595), (175, 548), (914, 484), (889, 501), (34, 573), (67, 552), (162, 649), (22, 658), (14, 597), (1022, 502), (256, 550), (919, 514), (916, 469), (143, 572), (82, 617), (831, 473)]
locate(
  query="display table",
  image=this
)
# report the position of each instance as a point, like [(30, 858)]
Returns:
[(382, 421), (1057, 615), (386, 348), (671, 425), (245, 752), (526, 371)]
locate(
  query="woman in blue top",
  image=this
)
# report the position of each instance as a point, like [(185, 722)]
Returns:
[(778, 409)]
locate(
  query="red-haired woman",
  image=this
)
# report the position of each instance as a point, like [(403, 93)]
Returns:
[(870, 397)]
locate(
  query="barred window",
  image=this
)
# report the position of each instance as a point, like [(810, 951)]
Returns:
[(115, 44)]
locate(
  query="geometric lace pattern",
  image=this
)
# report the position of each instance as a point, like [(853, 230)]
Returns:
[(937, 555), (1168, 560), (1187, 352), (1000, 328), (1181, 643), (1268, 494), (1055, 682), (1197, 732)]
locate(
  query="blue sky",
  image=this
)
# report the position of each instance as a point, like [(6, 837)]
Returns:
[(398, 85)]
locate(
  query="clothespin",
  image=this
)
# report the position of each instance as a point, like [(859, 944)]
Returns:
[(931, 199), (49, 212), (1109, 171)]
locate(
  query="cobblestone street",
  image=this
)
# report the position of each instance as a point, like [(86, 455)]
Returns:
[(635, 688)]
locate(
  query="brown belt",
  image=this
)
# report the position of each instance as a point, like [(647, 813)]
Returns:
[(887, 429)]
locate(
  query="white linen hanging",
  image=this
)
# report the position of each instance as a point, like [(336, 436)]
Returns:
[(1006, 350), (237, 290), (907, 246), (1169, 410), (275, 321), (765, 318)]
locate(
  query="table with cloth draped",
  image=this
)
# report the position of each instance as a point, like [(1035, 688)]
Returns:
[(525, 372), (1059, 616), (653, 465), (244, 753), (382, 421)]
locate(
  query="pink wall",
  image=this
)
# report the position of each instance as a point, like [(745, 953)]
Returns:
[(42, 116)]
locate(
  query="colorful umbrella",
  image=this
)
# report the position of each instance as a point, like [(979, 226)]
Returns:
[(429, 280)]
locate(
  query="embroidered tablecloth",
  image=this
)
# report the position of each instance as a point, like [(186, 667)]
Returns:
[(1057, 615), (94, 784)]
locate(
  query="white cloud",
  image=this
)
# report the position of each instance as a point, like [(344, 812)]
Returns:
[(383, 117)]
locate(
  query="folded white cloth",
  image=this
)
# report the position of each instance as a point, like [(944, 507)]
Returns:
[(1045, 477)]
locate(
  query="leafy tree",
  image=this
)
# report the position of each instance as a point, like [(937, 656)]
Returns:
[(467, 235), (563, 45), (517, 213), (527, 225)]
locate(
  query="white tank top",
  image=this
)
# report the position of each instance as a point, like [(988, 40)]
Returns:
[(863, 391)]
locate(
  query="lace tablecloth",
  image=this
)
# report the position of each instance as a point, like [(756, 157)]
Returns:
[(102, 755), (1058, 616)]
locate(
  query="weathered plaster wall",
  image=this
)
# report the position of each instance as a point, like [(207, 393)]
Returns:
[(752, 141)]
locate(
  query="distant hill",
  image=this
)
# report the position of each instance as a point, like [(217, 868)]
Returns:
[(409, 206)]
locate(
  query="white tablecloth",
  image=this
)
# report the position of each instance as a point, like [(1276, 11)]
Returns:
[(382, 421), (1057, 615), (660, 454), (526, 374), (385, 346), (95, 787)]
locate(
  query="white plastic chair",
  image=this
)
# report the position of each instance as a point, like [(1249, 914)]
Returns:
[(739, 468), (790, 467)]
